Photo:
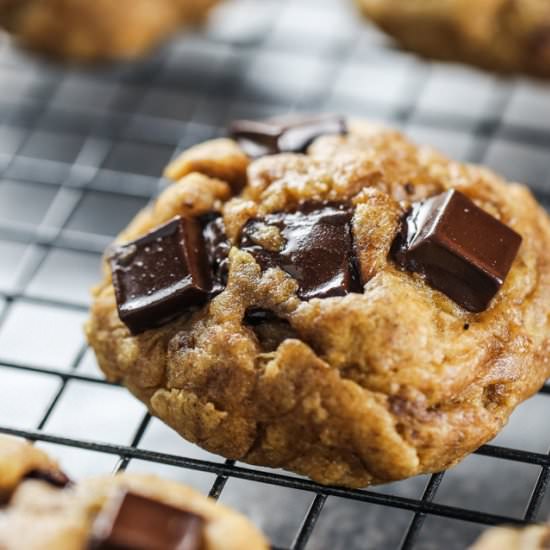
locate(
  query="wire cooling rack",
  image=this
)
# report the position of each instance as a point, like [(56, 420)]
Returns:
[(80, 153)]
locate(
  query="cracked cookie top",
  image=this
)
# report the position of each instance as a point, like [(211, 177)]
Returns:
[(317, 346)]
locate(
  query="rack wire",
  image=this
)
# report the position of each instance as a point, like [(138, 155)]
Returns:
[(80, 153)]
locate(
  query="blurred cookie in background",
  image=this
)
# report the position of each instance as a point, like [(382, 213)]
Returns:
[(81, 30), (533, 537), (506, 36)]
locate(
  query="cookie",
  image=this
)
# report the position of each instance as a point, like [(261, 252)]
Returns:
[(123, 511), (357, 309), (504, 35), (89, 31), (534, 537), (20, 461)]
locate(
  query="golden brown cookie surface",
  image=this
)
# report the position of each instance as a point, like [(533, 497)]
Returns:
[(19, 460), (368, 387), (40, 517), (503, 35), (46, 516), (534, 537), (103, 29)]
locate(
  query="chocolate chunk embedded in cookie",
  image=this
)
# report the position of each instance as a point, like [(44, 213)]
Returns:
[(323, 350), (291, 134), (314, 245), (134, 521), (459, 248), (162, 274)]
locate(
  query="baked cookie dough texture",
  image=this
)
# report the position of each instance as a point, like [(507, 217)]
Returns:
[(19, 460), (40, 516), (501, 35), (534, 537), (366, 388), (86, 30)]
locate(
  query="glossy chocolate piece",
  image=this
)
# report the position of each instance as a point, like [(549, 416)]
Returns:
[(292, 134), (161, 275), (135, 522), (317, 248), (217, 247), (53, 477), (460, 249)]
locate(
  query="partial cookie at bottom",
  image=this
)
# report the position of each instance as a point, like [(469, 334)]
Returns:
[(533, 537), (42, 516)]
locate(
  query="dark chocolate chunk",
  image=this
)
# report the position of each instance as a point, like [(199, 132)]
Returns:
[(135, 522), (161, 275), (460, 249), (53, 477), (217, 248), (316, 248), (292, 134)]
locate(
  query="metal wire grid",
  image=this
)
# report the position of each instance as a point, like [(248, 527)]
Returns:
[(79, 144)]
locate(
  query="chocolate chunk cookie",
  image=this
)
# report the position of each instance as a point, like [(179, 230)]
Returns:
[(501, 35), (139, 512), (102, 29), (370, 310), (20, 461), (534, 537)]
